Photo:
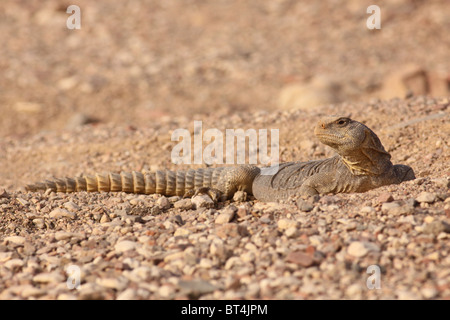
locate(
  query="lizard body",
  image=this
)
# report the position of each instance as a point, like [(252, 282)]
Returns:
[(361, 164)]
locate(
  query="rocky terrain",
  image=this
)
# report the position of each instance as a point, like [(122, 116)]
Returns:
[(108, 97)]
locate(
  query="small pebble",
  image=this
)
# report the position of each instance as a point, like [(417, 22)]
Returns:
[(202, 201), (51, 277), (62, 235), (385, 197), (183, 204), (359, 249), (125, 245), (225, 216), (426, 197), (300, 258), (163, 203), (287, 223), (61, 213)]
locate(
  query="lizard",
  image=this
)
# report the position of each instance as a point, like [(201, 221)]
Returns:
[(361, 164)]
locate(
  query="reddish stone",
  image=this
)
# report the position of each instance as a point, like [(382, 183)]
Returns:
[(300, 258), (231, 230), (385, 197), (310, 250)]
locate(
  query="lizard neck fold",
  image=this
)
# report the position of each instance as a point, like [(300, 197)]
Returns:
[(369, 159), (360, 164)]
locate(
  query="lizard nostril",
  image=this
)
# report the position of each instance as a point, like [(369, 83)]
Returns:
[(323, 125)]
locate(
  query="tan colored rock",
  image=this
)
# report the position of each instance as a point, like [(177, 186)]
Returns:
[(28, 107), (359, 249), (183, 232), (50, 277), (61, 213), (439, 83), (319, 91), (300, 258), (125, 245), (405, 80), (18, 240), (225, 216), (202, 201)]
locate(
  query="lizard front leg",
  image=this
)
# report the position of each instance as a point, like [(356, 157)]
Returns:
[(331, 182)]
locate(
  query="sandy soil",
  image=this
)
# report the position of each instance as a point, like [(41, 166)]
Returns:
[(107, 98)]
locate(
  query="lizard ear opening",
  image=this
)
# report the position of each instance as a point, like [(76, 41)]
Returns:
[(373, 143)]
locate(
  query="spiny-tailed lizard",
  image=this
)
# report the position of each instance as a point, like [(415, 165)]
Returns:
[(361, 164)]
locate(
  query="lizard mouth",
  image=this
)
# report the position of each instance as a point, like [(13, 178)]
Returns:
[(329, 139)]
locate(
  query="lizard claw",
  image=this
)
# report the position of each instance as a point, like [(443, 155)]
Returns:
[(189, 194)]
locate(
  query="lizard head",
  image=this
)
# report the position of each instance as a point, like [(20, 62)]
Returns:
[(345, 135), (359, 146)]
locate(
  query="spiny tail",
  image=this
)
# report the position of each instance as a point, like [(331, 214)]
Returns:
[(165, 182)]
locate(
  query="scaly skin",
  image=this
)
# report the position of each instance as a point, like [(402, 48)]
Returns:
[(361, 164), (169, 183)]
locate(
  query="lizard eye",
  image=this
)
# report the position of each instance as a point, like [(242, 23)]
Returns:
[(341, 122)]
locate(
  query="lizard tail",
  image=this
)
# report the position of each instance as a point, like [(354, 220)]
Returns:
[(169, 183)]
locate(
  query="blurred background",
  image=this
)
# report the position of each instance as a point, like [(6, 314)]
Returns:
[(134, 62)]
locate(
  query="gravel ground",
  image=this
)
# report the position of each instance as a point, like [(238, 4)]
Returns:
[(107, 98), (151, 247)]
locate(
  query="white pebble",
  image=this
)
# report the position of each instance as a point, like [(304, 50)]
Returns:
[(61, 213), (16, 240), (125, 245)]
